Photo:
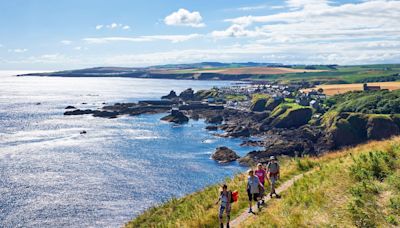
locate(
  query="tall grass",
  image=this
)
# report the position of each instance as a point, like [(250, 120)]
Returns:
[(358, 187), (199, 210)]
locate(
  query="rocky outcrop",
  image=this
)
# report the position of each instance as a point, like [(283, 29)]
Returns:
[(170, 96), (224, 155), (239, 132), (176, 117), (216, 119), (70, 107), (187, 94), (259, 105), (212, 128), (293, 118), (79, 112), (272, 103), (381, 127)]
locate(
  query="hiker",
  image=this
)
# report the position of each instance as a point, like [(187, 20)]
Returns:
[(273, 175), (253, 188), (261, 174), (225, 198)]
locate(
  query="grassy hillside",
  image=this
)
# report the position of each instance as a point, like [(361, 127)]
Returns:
[(353, 187), (358, 187)]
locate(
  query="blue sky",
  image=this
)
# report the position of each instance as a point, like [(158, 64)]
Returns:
[(52, 35)]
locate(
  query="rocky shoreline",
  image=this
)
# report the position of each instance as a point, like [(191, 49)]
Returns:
[(284, 131)]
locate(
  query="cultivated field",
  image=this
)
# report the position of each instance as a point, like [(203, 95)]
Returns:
[(343, 88)]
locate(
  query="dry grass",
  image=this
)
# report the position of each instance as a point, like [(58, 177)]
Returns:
[(343, 88)]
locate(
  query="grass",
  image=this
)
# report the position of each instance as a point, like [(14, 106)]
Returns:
[(322, 197), (358, 187), (236, 97), (198, 209)]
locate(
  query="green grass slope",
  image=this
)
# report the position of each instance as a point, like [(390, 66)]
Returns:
[(358, 187)]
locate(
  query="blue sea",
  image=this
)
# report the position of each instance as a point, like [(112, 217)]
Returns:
[(53, 176)]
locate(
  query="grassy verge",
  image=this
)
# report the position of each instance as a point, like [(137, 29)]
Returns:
[(199, 210), (358, 187)]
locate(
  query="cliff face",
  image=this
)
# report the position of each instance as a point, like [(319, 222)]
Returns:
[(350, 129)]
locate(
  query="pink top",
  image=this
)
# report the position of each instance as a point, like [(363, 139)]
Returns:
[(261, 175)]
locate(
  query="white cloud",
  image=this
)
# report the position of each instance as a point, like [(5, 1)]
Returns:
[(18, 50), (113, 26), (171, 38), (66, 42), (1, 46), (250, 8), (183, 17), (377, 19)]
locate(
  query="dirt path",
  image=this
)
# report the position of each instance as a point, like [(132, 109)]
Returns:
[(283, 187)]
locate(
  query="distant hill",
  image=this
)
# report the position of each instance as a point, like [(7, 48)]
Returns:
[(315, 74)]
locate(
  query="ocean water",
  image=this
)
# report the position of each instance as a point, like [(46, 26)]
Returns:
[(52, 176)]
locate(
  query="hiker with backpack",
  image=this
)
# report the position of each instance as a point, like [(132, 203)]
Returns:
[(273, 170), (261, 174), (253, 188), (226, 199)]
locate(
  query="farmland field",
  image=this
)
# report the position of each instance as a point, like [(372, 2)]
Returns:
[(343, 88)]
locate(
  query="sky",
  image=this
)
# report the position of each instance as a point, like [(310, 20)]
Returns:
[(73, 34)]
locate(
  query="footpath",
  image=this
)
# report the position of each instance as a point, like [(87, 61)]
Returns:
[(283, 187)]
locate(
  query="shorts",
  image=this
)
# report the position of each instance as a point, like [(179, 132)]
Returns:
[(273, 179), (252, 196), (223, 208)]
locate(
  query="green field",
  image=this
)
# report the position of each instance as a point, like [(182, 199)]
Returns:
[(342, 74)]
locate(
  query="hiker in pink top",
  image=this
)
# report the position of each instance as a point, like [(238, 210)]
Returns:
[(262, 175)]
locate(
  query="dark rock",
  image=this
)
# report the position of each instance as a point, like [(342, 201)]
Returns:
[(252, 143), (38, 103), (82, 132), (171, 95), (105, 114), (70, 107), (214, 119), (187, 94), (79, 112), (83, 103), (259, 105), (272, 103), (176, 117), (381, 127), (224, 155), (240, 132), (212, 128)]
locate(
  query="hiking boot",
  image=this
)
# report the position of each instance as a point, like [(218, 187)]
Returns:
[(262, 202), (270, 195), (278, 196), (258, 205), (250, 210)]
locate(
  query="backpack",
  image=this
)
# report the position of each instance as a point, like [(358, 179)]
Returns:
[(273, 168), (234, 196)]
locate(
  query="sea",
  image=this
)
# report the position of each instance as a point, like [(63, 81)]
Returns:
[(53, 176)]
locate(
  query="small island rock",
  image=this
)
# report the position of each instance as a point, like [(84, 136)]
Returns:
[(176, 117), (224, 154)]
